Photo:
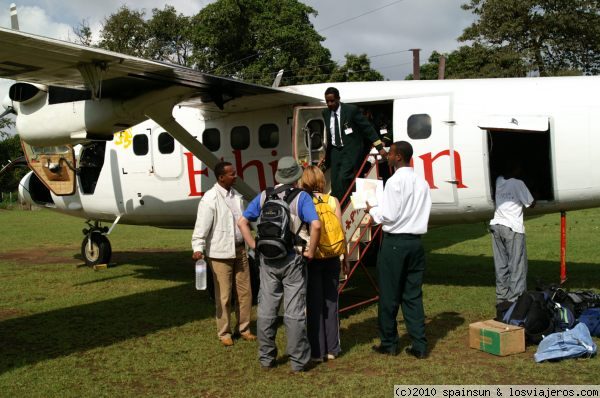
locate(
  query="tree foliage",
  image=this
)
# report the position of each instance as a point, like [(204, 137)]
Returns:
[(553, 36), (83, 33), (249, 40), (5, 123), (476, 61), (126, 32), (357, 68), (10, 149), (169, 36), (253, 39)]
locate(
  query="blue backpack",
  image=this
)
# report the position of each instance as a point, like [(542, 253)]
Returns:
[(591, 318), (573, 343)]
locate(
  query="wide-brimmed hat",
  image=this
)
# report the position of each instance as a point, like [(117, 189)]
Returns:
[(288, 170)]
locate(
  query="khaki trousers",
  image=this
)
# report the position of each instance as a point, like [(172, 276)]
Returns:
[(232, 276)]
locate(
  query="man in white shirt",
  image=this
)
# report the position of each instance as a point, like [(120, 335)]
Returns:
[(217, 237), (508, 236), (403, 210)]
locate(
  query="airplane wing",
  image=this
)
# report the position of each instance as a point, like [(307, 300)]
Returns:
[(136, 86), (37, 59)]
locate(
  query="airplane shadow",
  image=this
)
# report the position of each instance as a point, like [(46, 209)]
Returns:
[(53, 334)]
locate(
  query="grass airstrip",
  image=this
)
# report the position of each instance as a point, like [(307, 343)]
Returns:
[(140, 328)]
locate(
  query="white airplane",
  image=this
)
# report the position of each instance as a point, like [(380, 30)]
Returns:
[(117, 139)]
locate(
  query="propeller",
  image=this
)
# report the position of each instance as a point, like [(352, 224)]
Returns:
[(14, 19), (8, 107)]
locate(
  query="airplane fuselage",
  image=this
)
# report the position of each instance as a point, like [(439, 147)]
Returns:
[(461, 131)]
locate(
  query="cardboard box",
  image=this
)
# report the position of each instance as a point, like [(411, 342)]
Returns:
[(496, 337)]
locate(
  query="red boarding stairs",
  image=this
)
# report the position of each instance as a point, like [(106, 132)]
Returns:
[(359, 228)]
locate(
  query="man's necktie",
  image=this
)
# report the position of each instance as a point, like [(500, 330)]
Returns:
[(337, 138)]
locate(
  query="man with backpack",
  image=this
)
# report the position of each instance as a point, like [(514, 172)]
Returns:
[(282, 212)]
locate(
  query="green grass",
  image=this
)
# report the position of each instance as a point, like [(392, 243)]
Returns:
[(140, 327)]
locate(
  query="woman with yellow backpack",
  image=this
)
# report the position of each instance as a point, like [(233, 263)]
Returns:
[(323, 323)]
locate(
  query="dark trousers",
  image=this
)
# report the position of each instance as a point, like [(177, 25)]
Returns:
[(400, 268), (344, 164), (322, 307)]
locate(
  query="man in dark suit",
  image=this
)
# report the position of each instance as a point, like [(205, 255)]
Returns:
[(346, 128)]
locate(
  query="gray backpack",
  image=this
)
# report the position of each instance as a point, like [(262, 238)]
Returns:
[(275, 238)]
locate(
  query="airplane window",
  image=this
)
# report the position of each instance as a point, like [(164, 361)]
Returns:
[(240, 137), (268, 136), (419, 126), (140, 144), (166, 143), (211, 138)]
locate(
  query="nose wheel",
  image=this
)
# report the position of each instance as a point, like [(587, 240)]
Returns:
[(95, 249)]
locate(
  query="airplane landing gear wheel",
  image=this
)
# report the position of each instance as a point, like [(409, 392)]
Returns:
[(98, 252)]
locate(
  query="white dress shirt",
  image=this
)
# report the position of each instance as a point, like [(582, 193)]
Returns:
[(338, 112), (404, 205), (511, 196)]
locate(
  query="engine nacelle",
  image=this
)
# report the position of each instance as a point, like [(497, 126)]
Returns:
[(33, 192), (42, 124), (24, 93)]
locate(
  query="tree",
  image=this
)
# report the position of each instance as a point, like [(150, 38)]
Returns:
[(5, 123), (169, 36), (357, 68), (553, 36), (246, 39), (126, 32), (476, 61), (10, 149), (253, 39), (83, 33)]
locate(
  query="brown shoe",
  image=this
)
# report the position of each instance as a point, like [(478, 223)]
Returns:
[(226, 341), (248, 336)]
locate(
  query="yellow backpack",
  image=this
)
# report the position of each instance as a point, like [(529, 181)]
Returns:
[(331, 242)]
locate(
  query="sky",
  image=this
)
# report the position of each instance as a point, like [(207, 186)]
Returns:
[(385, 30), (387, 26)]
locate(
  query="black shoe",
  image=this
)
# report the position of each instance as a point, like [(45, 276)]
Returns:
[(415, 353), (382, 350)]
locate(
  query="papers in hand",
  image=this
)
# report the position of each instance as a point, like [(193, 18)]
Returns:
[(367, 190)]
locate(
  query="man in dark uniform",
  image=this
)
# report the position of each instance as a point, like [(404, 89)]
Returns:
[(346, 129), (383, 127), (403, 211)]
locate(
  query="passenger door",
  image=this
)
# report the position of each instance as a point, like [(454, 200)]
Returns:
[(426, 123), (166, 155), (309, 134)]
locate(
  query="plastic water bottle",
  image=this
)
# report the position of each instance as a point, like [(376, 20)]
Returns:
[(201, 274)]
